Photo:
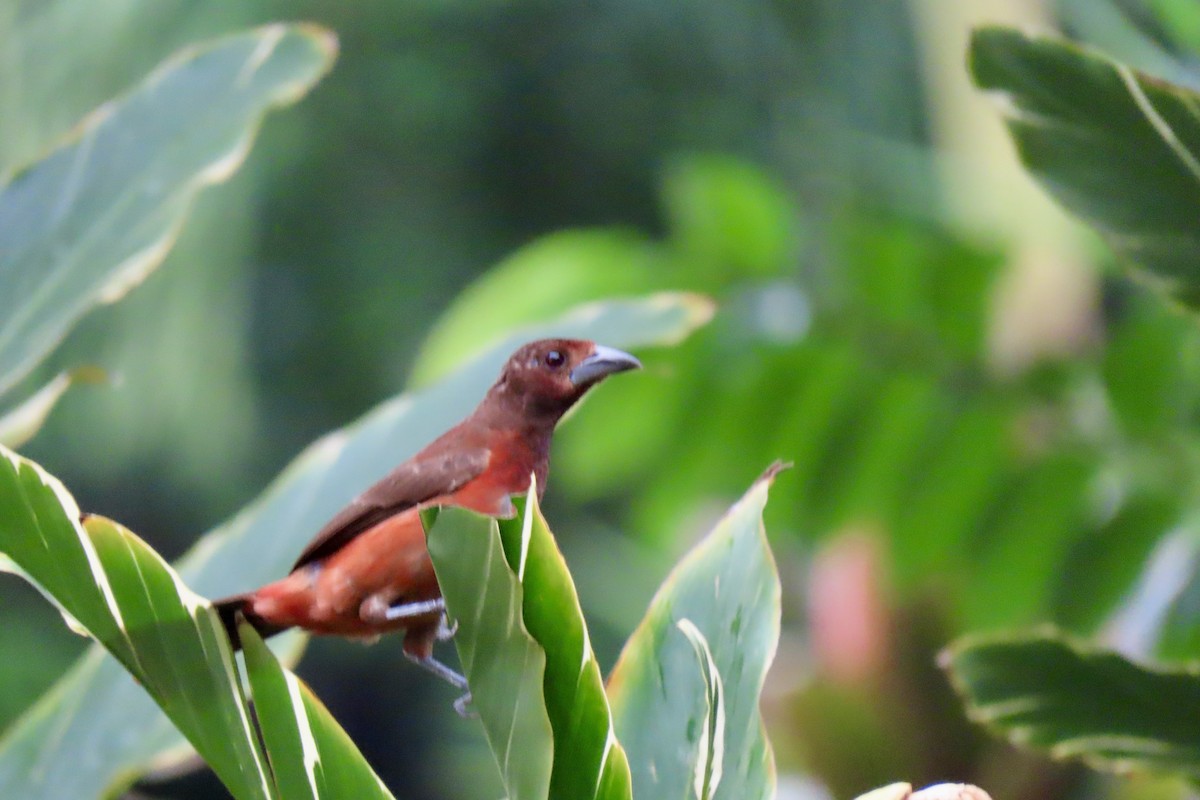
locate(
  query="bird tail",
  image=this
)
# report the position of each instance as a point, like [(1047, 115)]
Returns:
[(229, 609)]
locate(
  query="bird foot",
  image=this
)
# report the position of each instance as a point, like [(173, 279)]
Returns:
[(455, 679), (461, 707), (446, 628)]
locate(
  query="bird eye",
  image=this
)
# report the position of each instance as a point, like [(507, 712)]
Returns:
[(555, 359)]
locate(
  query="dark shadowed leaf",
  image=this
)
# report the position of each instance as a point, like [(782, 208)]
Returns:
[(1118, 148), (1044, 691)]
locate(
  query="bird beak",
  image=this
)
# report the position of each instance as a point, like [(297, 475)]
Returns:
[(602, 362)]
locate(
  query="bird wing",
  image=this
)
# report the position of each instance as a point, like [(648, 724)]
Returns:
[(416, 481)]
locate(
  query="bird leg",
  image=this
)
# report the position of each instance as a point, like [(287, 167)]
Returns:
[(373, 611), (451, 677), (416, 608)]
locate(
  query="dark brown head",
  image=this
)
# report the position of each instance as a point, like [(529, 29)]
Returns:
[(543, 379)]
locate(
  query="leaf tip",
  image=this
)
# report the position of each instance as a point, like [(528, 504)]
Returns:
[(777, 466), (324, 38)]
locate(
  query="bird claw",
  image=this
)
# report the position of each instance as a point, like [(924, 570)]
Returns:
[(446, 628), (461, 707), (455, 679)]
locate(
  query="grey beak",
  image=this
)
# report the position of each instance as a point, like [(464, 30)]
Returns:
[(602, 362)]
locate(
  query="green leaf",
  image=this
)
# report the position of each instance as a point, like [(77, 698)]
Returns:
[(96, 709), (1046, 692), (714, 621), (501, 661), (588, 759), (310, 755), (1116, 147), (92, 219), (118, 590), (521, 634), (20, 424)]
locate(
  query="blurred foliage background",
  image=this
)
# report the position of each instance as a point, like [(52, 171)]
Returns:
[(988, 422)]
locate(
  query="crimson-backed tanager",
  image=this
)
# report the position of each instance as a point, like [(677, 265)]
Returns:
[(368, 571)]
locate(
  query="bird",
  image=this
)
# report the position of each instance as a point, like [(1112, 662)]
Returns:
[(367, 571)]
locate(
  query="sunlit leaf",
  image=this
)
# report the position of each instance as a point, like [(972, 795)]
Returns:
[(1046, 692), (1116, 147), (727, 589), (92, 219)]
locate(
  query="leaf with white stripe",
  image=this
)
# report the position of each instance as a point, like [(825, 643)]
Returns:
[(1044, 691), (589, 762), (501, 661), (1116, 147), (710, 753), (310, 755), (716, 616), (133, 603)]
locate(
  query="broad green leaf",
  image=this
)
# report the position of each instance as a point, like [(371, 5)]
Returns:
[(520, 640), (1116, 147), (502, 662), (1047, 692), (260, 543), (588, 760), (310, 755), (715, 618), (118, 590), (20, 424), (92, 219)]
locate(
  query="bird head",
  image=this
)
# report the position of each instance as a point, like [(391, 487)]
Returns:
[(548, 376)]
